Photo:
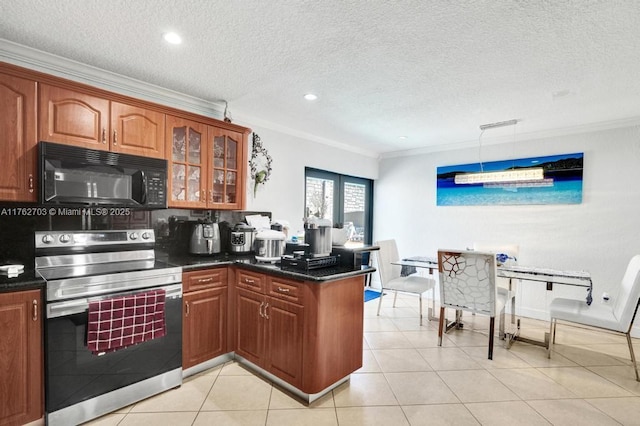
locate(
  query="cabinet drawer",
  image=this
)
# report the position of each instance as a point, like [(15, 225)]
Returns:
[(282, 288), (251, 281), (205, 278)]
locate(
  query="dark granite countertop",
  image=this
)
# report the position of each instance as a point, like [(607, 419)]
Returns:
[(28, 280), (190, 263), (363, 248), (193, 262)]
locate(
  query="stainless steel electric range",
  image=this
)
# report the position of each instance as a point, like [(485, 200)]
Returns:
[(83, 270)]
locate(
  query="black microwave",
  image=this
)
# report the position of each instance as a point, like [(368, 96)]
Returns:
[(76, 175)]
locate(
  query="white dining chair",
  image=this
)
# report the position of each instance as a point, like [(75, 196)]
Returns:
[(617, 315), (510, 285), (392, 279), (468, 283)]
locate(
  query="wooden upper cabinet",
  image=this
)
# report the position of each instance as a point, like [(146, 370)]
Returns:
[(207, 157), (206, 165), (227, 169), (18, 143), (137, 131), (186, 152), (73, 118)]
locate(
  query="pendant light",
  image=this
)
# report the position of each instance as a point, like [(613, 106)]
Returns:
[(521, 175)]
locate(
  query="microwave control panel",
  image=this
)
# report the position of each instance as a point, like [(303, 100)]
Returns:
[(156, 189)]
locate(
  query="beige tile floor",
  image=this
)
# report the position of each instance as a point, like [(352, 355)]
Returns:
[(406, 379)]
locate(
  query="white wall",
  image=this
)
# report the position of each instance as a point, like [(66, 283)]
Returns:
[(600, 235), (283, 193)]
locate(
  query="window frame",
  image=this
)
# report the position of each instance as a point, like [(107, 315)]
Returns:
[(338, 206)]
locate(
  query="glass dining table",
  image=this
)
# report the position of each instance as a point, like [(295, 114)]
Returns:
[(512, 272)]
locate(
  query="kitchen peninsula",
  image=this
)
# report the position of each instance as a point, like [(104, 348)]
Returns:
[(302, 330)]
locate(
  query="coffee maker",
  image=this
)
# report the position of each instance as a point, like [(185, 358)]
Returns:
[(205, 238)]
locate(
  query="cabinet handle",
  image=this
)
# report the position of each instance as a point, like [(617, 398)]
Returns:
[(211, 195), (104, 135), (284, 290), (260, 309), (30, 183), (34, 315), (266, 315), (186, 304), (205, 280), (115, 137), (249, 281)]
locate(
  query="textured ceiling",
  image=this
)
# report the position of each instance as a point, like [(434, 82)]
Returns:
[(432, 71)]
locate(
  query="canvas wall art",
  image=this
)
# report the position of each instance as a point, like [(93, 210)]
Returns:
[(554, 179)]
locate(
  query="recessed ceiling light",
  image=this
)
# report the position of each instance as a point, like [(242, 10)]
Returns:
[(172, 38), (310, 97), (402, 138)]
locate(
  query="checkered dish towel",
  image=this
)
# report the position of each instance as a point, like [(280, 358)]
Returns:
[(125, 320)]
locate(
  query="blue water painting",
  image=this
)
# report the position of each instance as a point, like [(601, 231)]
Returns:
[(561, 182)]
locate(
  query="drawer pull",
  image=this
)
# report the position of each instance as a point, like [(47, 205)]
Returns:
[(249, 281), (205, 280), (35, 310), (284, 290)]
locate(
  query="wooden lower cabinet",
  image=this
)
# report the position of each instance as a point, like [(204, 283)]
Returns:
[(21, 357), (308, 334), (204, 325), (270, 334), (284, 340), (250, 328)]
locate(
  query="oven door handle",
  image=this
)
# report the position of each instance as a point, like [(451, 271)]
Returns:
[(76, 306)]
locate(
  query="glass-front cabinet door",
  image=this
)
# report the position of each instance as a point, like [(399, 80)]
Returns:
[(226, 168), (187, 156)]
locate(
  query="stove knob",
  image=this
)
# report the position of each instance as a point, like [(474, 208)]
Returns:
[(48, 239), (146, 235), (133, 235), (65, 238)]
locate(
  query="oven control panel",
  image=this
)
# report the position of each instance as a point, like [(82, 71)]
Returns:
[(47, 239)]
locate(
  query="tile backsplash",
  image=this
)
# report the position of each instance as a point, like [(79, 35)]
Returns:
[(172, 225), (18, 222)]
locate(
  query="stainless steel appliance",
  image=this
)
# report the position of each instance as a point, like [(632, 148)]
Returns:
[(241, 238), (75, 175), (269, 245), (317, 233), (205, 238), (89, 267)]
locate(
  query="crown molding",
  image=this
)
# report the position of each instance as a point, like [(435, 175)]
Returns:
[(240, 117), (543, 134), (38, 60)]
